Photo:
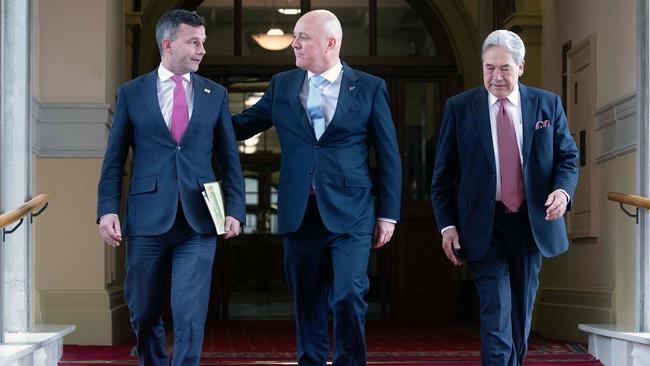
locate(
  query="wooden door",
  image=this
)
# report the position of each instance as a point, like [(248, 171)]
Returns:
[(424, 284)]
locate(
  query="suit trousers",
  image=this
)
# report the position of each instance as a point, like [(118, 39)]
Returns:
[(185, 258), (326, 270), (506, 279)]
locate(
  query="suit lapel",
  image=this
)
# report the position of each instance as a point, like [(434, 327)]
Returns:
[(293, 91), (482, 111), (346, 96), (528, 108), (150, 95)]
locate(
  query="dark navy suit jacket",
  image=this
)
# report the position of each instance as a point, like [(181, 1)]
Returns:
[(339, 160), (163, 169), (464, 177)]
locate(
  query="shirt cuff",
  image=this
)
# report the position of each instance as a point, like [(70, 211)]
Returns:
[(111, 214), (447, 228), (568, 198), (387, 220)]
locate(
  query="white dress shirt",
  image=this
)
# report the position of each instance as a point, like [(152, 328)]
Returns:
[(165, 86), (329, 98)]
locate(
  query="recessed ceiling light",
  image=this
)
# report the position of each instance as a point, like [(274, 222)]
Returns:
[(289, 11)]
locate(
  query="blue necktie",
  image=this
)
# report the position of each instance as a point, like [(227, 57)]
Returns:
[(315, 105)]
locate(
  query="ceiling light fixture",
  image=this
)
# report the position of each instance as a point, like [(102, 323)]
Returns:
[(289, 11), (273, 40)]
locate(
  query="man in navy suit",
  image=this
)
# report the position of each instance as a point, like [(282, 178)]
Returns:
[(174, 121), (327, 115), (505, 171)]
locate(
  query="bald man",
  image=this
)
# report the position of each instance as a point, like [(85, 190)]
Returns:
[(327, 115)]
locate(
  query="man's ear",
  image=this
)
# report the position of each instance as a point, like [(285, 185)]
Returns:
[(166, 45), (521, 67), (331, 43)]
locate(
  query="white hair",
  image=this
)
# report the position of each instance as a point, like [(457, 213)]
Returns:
[(508, 40)]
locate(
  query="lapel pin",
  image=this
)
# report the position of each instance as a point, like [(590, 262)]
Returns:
[(206, 90), (352, 88)]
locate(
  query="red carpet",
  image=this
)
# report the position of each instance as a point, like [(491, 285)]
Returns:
[(238, 343)]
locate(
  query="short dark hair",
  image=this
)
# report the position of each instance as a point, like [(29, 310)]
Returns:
[(168, 24)]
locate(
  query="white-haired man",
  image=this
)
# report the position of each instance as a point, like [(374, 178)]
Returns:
[(505, 171)]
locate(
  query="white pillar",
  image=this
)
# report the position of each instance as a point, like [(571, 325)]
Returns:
[(15, 165), (643, 159)]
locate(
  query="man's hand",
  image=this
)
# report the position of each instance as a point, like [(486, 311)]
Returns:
[(556, 205), (231, 225), (109, 229), (450, 243), (383, 232)]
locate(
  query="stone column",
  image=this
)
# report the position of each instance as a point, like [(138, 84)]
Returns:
[(643, 159), (15, 165)]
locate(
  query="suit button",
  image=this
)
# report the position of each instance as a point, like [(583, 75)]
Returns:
[(316, 147), (310, 172), (178, 148)]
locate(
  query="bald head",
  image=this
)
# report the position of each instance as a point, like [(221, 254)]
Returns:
[(327, 22), (317, 41)]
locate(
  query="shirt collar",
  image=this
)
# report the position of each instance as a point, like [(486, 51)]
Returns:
[(330, 75), (512, 98), (164, 74)]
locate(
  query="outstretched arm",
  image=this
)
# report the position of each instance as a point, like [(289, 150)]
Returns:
[(255, 119)]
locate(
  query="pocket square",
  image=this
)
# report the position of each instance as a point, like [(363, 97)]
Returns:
[(542, 124)]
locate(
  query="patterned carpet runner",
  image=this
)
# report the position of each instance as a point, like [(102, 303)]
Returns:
[(239, 343)]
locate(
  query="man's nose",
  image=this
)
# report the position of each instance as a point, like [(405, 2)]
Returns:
[(201, 49), (295, 43), (497, 75)]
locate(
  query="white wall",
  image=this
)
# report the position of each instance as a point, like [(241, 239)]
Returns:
[(614, 24), (78, 67), (594, 282)]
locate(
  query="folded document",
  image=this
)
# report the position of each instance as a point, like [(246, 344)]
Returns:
[(214, 200)]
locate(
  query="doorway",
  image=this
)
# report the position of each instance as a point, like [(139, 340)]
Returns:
[(409, 278), (401, 41)]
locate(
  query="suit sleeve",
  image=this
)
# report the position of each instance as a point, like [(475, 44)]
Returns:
[(255, 119), (389, 166), (445, 172), (565, 153), (231, 171), (117, 148)]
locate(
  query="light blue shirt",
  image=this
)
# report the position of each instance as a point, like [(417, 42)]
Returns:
[(330, 95)]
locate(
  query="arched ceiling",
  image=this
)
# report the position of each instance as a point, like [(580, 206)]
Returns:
[(459, 38)]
